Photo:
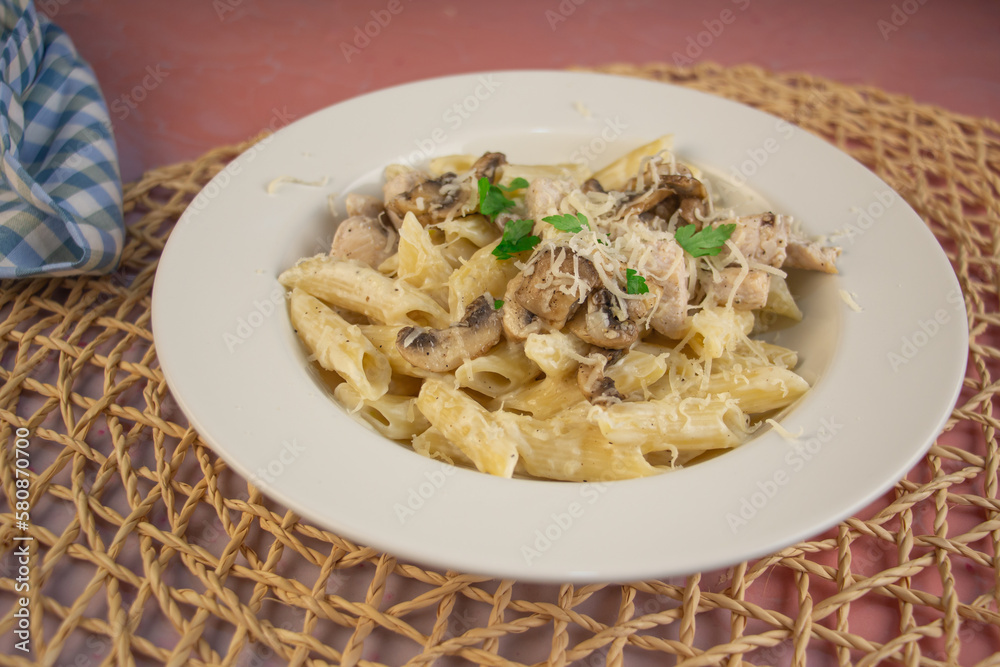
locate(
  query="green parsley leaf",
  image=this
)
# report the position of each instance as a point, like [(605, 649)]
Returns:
[(634, 283), (492, 200), (708, 241), (516, 238), (517, 184), (497, 304), (568, 222)]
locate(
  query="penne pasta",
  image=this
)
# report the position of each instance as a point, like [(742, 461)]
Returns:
[(574, 172), (489, 443), (396, 417), (339, 346), (383, 337), (616, 175), (481, 274), (476, 229), (420, 262), (542, 399), (572, 449), (546, 322), (683, 424), (353, 285), (780, 301), (760, 389), (638, 371), (497, 373), (433, 444), (556, 353)]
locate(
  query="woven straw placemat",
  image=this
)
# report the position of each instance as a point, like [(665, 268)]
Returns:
[(147, 549)]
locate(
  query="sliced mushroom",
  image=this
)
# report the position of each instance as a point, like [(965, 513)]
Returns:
[(370, 207), (664, 210), (592, 185), (400, 180), (489, 165), (442, 350), (603, 323), (640, 202), (693, 210), (518, 321), (811, 255), (595, 385), (751, 292), (365, 239), (555, 283), (431, 201), (685, 187), (668, 192)]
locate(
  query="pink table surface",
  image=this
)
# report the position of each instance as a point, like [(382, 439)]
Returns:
[(183, 77)]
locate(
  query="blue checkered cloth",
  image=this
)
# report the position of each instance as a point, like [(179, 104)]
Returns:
[(60, 191)]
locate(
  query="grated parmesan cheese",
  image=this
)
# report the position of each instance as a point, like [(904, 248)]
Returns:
[(784, 432), (273, 186), (849, 299)]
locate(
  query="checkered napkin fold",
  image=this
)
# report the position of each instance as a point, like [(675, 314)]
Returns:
[(60, 191)]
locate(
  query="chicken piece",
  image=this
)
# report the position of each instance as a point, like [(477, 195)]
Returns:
[(370, 207), (365, 239), (666, 272), (543, 197), (762, 238), (751, 293), (810, 255)]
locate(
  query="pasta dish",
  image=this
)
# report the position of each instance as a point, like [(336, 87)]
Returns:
[(548, 322)]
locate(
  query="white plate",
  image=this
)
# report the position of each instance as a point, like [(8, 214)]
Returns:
[(885, 378)]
